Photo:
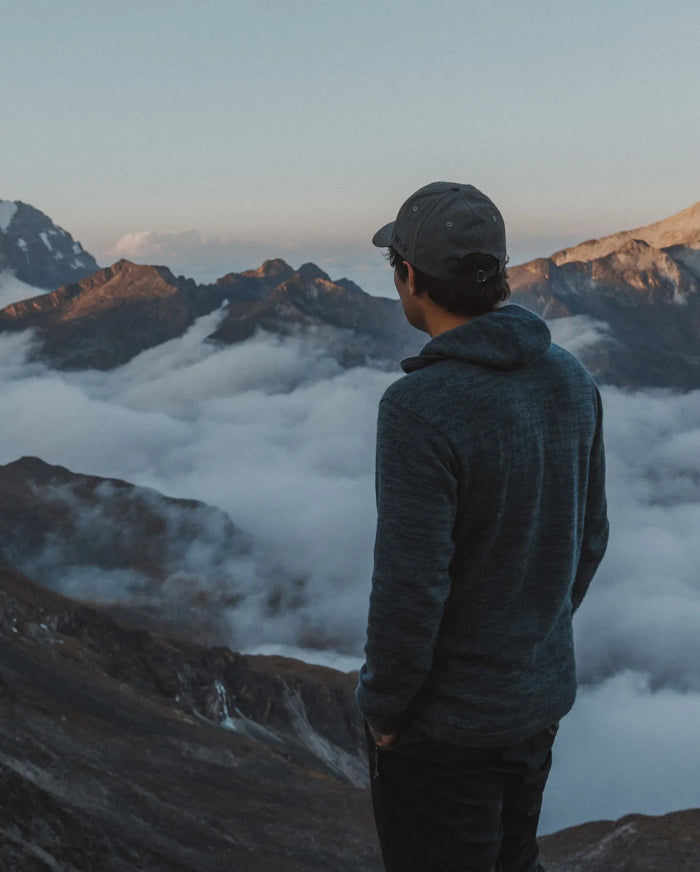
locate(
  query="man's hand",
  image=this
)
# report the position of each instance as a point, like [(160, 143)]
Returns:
[(383, 740)]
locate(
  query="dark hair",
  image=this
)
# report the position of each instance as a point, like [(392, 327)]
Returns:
[(463, 294)]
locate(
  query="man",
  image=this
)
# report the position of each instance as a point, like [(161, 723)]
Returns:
[(491, 524)]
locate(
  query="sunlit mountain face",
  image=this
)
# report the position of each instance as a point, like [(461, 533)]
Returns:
[(638, 290)]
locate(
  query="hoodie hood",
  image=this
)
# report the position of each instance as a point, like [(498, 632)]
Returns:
[(508, 338)]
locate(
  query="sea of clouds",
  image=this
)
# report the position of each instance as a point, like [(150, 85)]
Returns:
[(279, 436)]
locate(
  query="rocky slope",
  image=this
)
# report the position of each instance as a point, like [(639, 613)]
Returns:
[(37, 251), (635, 843), (643, 286), (127, 751), (681, 229), (106, 319), (356, 328)]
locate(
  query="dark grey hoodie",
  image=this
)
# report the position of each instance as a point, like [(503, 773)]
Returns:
[(491, 523)]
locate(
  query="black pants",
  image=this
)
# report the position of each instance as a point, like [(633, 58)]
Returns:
[(441, 808)]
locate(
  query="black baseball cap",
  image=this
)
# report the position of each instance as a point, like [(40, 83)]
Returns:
[(442, 223)]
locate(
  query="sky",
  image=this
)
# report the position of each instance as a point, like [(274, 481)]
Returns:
[(276, 434), (211, 135)]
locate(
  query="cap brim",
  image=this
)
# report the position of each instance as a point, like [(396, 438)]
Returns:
[(383, 237)]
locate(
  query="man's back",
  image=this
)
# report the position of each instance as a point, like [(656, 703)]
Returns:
[(496, 433)]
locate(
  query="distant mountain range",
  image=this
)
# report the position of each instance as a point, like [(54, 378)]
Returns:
[(641, 287), (106, 319)]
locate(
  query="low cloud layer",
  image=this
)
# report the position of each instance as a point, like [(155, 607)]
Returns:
[(276, 434), (625, 748)]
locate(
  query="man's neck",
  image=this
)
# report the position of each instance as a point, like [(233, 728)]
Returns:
[(438, 320)]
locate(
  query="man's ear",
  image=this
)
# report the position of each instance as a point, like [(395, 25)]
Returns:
[(411, 278)]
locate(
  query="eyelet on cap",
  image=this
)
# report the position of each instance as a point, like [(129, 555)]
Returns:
[(448, 224), (415, 208)]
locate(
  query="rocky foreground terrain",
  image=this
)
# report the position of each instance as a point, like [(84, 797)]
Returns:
[(125, 751), (635, 843)]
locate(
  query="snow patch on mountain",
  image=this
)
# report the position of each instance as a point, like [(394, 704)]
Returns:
[(8, 208)]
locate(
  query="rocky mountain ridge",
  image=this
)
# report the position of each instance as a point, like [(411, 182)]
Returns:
[(681, 229), (640, 287), (37, 251), (356, 328), (106, 319), (644, 294)]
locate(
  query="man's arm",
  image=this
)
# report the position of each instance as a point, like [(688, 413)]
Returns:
[(416, 504), (595, 530)]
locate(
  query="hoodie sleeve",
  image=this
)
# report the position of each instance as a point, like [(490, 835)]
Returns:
[(595, 530), (416, 504)]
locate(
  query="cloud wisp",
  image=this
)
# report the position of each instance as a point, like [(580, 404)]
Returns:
[(12, 290)]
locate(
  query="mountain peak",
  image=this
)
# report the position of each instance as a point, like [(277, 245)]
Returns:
[(105, 319), (308, 273), (276, 269), (38, 251), (683, 228), (128, 267)]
